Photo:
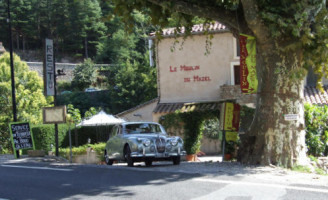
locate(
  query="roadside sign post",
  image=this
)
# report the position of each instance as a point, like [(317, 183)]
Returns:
[(229, 121), (54, 115)]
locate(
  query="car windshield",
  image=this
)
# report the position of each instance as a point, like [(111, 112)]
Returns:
[(143, 128)]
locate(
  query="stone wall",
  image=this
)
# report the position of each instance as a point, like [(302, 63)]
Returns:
[(67, 67), (233, 92)]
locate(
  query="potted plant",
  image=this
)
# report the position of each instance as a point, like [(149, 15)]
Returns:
[(193, 127), (229, 151), (192, 146)]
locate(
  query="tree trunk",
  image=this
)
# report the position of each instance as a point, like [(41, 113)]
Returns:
[(272, 139), (24, 44), (86, 47), (17, 41)]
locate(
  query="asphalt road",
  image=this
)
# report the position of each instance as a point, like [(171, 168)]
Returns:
[(46, 181)]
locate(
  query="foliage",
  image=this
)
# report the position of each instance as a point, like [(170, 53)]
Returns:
[(85, 100), (302, 23), (193, 124), (29, 96), (230, 147), (301, 168), (63, 86), (316, 129), (291, 36), (246, 117), (84, 75), (96, 134), (75, 26), (121, 46), (212, 128), (44, 135), (73, 114), (91, 112), (82, 150), (135, 83)]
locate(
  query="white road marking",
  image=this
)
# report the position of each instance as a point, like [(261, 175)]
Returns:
[(42, 168), (264, 184)]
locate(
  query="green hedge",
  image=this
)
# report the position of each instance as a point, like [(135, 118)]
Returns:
[(316, 118), (82, 150), (96, 134), (316, 123), (44, 135)]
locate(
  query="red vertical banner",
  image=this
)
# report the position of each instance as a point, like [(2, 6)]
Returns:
[(248, 76)]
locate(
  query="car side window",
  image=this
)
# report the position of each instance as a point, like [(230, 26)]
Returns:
[(119, 131), (114, 131)]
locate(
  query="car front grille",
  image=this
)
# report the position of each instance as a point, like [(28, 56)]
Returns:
[(160, 145)]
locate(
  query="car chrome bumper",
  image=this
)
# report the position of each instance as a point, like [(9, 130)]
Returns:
[(157, 155)]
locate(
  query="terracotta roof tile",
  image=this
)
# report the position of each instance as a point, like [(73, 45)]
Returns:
[(314, 96)]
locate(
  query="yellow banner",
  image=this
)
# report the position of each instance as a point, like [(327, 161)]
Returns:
[(231, 136), (228, 116), (248, 76)]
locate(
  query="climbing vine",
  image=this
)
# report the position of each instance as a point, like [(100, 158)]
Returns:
[(192, 124)]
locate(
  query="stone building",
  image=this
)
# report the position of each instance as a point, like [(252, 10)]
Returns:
[(190, 77)]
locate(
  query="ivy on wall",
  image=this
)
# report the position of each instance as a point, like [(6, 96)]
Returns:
[(192, 124)]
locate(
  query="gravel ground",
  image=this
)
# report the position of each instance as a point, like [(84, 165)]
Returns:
[(208, 166)]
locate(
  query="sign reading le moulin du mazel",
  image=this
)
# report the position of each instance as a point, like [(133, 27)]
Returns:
[(21, 136)]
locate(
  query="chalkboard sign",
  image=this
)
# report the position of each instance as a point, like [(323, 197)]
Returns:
[(21, 136)]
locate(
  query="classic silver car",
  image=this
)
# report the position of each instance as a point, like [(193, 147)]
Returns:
[(142, 141)]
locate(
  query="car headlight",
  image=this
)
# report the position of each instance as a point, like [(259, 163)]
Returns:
[(146, 142), (174, 142)]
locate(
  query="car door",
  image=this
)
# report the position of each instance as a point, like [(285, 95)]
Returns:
[(113, 144)]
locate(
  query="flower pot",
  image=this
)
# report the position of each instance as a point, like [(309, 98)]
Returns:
[(227, 157), (191, 157)]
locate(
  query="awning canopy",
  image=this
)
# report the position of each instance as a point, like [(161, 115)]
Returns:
[(101, 118), (186, 107)]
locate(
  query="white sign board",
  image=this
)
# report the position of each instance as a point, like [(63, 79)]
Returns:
[(48, 70), (291, 117), (53, 115)]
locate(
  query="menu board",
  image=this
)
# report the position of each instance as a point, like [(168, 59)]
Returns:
[(21, 136)]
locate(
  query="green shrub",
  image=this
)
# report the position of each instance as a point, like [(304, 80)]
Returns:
[(301, 168), (193, 126), (212, 128), (82, 150), (96, 134), (316, 129), (44, 135)]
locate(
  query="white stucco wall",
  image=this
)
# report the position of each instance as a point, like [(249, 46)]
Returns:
[(141, 114), (188, 75)]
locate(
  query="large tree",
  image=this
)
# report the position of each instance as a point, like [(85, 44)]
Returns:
[(29, 96), (291, 37)]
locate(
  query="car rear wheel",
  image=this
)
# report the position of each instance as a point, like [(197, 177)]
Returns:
[(107, 160), (176, 160), (127, 156), (148, 162)]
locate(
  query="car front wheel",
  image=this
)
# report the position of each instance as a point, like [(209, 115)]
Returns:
[(127, 156), (107, 160)]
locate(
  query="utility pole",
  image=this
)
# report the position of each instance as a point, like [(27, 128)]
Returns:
[(13, 91)]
